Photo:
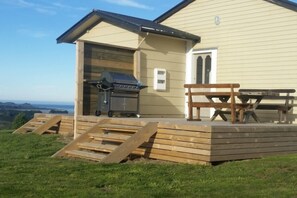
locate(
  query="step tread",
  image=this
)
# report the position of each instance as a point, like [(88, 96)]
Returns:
[(36, 123), (109, 137), (30, 128), (122, 128), (86, 155), (97, 147), (51, 131)]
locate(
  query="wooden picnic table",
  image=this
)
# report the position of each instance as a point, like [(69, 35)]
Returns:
[(275, 99), (225, 104)]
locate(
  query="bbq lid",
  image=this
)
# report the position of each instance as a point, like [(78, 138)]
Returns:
[(117, 77)]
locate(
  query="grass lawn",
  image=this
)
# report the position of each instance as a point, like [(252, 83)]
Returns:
[(27, 170)]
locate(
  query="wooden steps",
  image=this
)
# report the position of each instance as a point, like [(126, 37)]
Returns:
[(109, 137), (107, 148), (121, 128), (109, 141), (41, 124), (86, 155)]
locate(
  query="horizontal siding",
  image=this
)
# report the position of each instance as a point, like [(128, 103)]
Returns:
[(106, 33), (169, 54), (256, 40)]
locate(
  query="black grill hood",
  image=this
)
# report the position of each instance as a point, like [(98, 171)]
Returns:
[(111, 80)]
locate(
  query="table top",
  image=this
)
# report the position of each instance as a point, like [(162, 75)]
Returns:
[(271, 94), (266, 92)]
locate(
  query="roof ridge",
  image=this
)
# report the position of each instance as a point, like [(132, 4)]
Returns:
[(173, 10), (283, 3)]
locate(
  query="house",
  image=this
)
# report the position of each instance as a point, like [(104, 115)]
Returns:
[(251, 42)]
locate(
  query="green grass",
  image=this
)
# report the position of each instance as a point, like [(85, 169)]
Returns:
[(27, 170)]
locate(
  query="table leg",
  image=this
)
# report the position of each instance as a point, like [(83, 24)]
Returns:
[(283, 117), (241, 115), (223, 116), (255, 117), (213, 117), (220, 113)]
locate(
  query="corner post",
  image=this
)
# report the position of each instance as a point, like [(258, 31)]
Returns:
[(79, 78)]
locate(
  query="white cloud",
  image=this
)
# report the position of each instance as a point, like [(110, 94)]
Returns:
[(32, 33), (43, 9), (129, 3), (25, 3), (63, 6), (48, 8)]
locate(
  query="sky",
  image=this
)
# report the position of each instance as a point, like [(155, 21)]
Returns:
[(33, 67)]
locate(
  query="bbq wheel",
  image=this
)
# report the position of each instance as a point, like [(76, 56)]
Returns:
[(97, 113), (110, 114)]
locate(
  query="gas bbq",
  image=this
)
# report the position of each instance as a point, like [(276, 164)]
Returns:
[(118, 92)]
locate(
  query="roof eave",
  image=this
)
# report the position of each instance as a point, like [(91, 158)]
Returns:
[(87, 22), (284, 3), (66, 36), (194, 38), (96, 16)]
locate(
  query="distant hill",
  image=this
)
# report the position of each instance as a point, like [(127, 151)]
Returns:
[(9, 110), (11, 105)]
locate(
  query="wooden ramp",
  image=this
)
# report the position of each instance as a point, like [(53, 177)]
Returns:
[(40, 125), (110, 141)]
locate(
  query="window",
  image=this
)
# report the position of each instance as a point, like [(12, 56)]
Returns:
[(199, 75), (207, 70)]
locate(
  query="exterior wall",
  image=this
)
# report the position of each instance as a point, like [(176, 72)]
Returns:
[(108, 34), (154, 52), (256, 40), (169, 54)]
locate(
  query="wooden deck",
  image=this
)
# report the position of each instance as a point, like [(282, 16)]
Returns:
[(194, 142)]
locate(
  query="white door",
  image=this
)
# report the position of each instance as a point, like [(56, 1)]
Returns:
[(204, 72)]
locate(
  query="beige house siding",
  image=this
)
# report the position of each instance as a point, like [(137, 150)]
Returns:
[(108, 34), (151, 51), (256, 40), (169, 54)]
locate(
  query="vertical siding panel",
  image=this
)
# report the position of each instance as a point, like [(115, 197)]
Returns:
[(98, 58)]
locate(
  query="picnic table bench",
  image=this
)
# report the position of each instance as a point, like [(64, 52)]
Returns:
[(268, 99), (226, 103), (250, 100)]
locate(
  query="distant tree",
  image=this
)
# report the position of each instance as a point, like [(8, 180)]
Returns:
[(19, 120)]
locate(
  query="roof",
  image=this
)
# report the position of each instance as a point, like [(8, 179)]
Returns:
[(284, 3), (129, 23)]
